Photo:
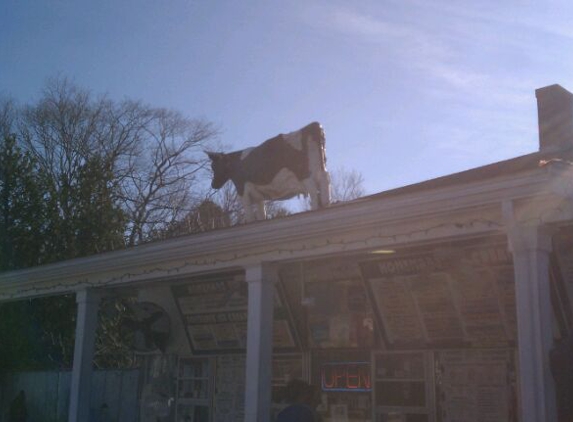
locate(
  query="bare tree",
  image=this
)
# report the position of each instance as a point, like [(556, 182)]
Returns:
[(346, 185), (227, 198), (166, 174), (61, 129), (61, 132), (154, 155)]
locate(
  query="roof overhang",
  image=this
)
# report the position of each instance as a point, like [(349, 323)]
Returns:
[(540, 194)]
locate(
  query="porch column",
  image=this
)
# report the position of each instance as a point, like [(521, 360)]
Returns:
[(260, 279), (86, 324), (531, 246)]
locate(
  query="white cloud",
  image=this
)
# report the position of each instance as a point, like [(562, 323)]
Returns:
[(480, 61), (403, 41), (453, 46)]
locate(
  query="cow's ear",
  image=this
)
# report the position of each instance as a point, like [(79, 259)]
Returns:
[(214, 156)]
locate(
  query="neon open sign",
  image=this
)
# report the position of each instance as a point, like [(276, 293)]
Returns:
[(346, 376)]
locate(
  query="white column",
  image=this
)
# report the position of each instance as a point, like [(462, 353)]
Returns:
[(86, 324), (259, 343), (531, 247)]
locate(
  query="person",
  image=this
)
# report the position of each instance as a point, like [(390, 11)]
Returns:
[(302, 399)]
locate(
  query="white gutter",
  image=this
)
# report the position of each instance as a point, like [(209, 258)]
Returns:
[(256, 241)]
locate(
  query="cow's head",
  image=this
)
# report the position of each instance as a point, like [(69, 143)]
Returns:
[(221, 168)]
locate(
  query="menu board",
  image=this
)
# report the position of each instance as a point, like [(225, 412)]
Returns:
[(467, 296), (398, 310), (505, 288), (436, 305), (214, 311), (403, 387), (487, 305), (331, 270), (479, 307), (476, 385), (352, 367), (229, 398)]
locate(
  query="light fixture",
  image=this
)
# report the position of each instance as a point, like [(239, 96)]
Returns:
[(383, 251)]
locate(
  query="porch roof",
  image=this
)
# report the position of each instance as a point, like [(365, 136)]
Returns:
[(469, 203)]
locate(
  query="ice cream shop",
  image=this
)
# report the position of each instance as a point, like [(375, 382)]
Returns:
[(444, 301)]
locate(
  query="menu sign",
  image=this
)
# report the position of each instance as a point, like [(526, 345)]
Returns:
[(331, 270), (476, 385), (214, 312), (480, 308), (505, 288), (436, 306), (465, 296), (398, 309), (229, 399)]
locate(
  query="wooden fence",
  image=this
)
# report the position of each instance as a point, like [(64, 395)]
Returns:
[(114, 395)]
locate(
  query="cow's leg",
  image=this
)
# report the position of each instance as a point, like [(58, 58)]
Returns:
[(311, 187), (320, 195), (324, 186), (260, 211), (252, 197), (246, 202)]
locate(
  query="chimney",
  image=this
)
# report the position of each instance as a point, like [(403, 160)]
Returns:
[(555, 115)]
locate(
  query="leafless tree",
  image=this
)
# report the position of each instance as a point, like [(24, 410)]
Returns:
[(61, 132), (154, 154), (346, 185), (166, 173), (228, 200)]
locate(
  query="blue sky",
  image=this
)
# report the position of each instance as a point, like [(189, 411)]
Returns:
[(406, 90)]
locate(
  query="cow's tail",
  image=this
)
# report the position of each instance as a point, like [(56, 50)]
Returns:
[(322, 139), (322, 178)]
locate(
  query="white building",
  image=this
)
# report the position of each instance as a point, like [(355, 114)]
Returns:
[(438, 301)]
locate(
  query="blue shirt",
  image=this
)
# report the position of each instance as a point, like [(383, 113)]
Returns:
[(296, 413)]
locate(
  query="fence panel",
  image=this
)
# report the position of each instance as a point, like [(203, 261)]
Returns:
[(129, 410), (48, 395), (63, 400), (112, 391)]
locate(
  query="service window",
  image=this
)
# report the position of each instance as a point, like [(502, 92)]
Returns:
[(476, 385), (194, 390), (286, 367), (345, 381), (403, 387), (339, 314)]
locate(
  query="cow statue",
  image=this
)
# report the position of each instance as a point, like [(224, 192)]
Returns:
[(280, 168)]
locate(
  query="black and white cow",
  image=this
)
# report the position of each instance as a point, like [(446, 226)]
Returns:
[(280, 168)]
